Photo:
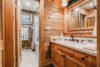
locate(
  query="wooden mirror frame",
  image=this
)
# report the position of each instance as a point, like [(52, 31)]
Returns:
[(88, 28)]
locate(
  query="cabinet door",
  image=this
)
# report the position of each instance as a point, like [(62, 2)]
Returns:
[(90, 61), (57, 58), (71, 62)]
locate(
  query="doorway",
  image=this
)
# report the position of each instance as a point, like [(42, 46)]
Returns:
[(29, 33)]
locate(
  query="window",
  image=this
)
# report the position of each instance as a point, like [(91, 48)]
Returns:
[(26, 17)]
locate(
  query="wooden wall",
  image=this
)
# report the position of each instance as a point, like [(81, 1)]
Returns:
[(54, 20), (51, 24)]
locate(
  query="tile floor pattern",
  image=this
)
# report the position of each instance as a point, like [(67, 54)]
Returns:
[(29, 59)]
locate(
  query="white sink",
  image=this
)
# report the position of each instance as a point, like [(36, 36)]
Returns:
[(91, 47)]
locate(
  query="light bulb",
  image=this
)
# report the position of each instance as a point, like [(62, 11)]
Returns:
[(64, 3), (27, 3)]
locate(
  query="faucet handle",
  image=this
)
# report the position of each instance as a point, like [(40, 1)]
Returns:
[(82, 41), (76, 40)]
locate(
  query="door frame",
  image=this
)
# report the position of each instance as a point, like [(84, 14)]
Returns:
[(9, 24), (41, 33), (17, 33), (98, 33), (3, 44)]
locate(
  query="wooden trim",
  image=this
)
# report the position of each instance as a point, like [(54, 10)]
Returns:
[(41, 34), (74, 4), (27, 11), (83, 36), (79, 4), (82, 29), (98, 33), (3, 42), (10, 33)]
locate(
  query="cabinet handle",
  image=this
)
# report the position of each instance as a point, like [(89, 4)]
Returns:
[(86, 56), (63, 56), (82, 58)]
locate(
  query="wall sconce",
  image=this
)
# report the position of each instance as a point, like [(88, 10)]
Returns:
[(64, 3)]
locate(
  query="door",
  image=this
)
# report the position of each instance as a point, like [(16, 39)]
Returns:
[(2, 45), (18, 33)]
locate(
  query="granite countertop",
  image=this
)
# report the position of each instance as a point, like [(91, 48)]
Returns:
[(76, 46)]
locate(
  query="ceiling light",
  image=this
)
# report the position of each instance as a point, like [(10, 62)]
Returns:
[(28, 4), (91, 4), (77, 9), (64, 3)]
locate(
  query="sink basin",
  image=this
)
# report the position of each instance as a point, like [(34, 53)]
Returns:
[(91, 47), (70, 43)]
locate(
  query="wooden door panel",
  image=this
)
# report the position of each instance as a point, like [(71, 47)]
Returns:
[(89, 60)]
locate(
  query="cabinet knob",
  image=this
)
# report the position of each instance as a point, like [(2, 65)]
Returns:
[(86, 56), (82, 58), (63, 56)]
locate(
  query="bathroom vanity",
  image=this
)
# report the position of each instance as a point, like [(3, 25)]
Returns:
[(70, 54), (80, 21)]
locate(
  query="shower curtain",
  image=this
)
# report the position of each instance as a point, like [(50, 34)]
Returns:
[(35, 37)]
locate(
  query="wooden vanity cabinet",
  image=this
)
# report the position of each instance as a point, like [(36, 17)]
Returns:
[(1, 58), (89, 60), (66, 57)]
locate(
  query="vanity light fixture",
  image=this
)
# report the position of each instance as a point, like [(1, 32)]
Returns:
[(77, 9), (64, 3)]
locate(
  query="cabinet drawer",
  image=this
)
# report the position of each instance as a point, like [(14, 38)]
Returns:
[(66, 51), (0, 59), (85, 58)]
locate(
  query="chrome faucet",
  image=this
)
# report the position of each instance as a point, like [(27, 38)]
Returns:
[(72, 38)]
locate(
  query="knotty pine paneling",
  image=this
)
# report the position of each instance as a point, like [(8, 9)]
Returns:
[(54, 19)]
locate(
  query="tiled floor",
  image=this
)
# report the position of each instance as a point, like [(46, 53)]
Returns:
[(29, 59)]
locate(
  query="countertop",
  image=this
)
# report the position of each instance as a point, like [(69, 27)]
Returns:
[(76, 46)]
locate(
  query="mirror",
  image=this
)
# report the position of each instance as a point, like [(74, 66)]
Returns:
[(82, 17)]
